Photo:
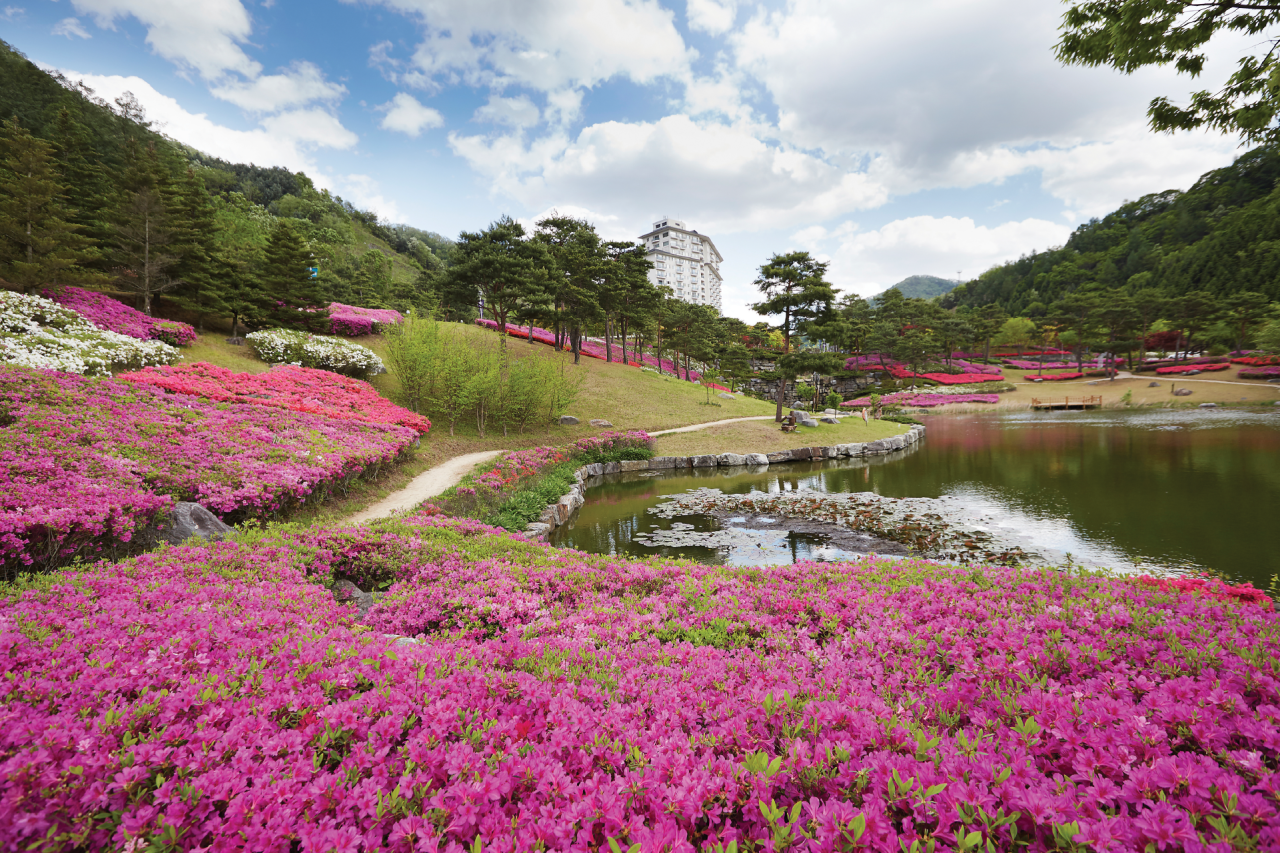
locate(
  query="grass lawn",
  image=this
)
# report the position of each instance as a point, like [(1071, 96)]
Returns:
[(212, 347), (766, 437), (1223, 388)]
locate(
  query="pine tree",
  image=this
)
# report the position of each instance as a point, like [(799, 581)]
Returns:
[(287, 282), (148, 239), (201, 287), (89, 188), (39, 244)]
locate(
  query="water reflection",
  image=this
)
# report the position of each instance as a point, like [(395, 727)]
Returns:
[(1192, 489)]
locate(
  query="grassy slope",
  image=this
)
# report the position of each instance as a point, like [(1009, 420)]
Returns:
[(1237, 391), (627, 397), (766, 437)]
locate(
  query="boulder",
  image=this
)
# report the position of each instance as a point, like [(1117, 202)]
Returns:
[(349, 593), (1153, 384), (548, 515), (599, 422), (635, 464), (1208, 405), (809, 422), (537, 530), (831, 452), (1182, 392), (829, 419), (828, 411), (873, 448), (236, 342), (595, 469), (731, 459), (800, 453), (778, 456), (659, 463), (703, 461), (856, 449), (724, 396), (568, 420), (761, 459), (612, 467), (191, 520)]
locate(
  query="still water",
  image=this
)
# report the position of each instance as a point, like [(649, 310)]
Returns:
[(1187, 490)]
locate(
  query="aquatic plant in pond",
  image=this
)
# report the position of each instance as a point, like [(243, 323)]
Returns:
[(85, 463), (300, 389), (561, 701)]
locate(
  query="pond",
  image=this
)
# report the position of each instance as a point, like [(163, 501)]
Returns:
[(1179, 490)]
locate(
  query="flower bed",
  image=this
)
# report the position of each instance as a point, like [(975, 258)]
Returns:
[(1187, 368), (216, 698), (1271, 372), (353, 322), (595, 350), (36, 332), (284, 346), (114, 316), (927, 401), (85, 462), (1056, 377), (1257, 360), (300, 389)]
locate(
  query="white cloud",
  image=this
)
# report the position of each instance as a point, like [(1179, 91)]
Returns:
[(544, 44), (868, 262), (286, 140), (406, 115), (608, 225), (13, 13), (517, 112), (366, 194), (711, 16), (69, 27), (299, 84), (718, 174), (204, 35)]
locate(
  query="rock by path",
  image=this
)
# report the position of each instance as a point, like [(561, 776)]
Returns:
[(426, 485)]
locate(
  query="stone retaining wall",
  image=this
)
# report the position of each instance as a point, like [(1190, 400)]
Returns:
[(562, 510)]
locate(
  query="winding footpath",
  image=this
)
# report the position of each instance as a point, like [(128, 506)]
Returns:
[(426, 485), (435, 481)]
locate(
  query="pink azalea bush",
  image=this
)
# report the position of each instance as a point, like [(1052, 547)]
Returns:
[(114, 316), (898, 370), (1057, 377), (218, 698), (85, 463), (1185, 368), (299, 389), (352, 322), (595, 350), (927, 401), (1270, 372)]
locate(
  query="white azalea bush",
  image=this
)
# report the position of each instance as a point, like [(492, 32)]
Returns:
[(37, 332), (283, 346)]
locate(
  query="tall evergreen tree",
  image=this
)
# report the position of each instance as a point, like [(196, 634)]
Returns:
[(90, 191), (39, 244), (196, 227), (794, 285), (287, 282), (148, 236)]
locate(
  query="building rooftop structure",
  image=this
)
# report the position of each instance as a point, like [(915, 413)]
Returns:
[(685, 261)]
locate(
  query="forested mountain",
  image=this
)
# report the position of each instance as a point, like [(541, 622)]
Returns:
[(922, 287), (217, 220), (1222, 237)]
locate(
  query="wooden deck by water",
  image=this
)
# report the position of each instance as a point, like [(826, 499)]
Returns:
[(1094, 402)]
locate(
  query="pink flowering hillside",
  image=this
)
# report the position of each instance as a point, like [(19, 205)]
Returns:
[(219, 699), (299, 389), (85, 463), (114, 316), (352, 322)]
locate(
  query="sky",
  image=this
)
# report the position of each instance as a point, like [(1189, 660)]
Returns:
[(935, 136)]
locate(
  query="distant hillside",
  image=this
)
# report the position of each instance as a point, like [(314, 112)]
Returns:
[(923, 286), (1220, 236), (360, 259)]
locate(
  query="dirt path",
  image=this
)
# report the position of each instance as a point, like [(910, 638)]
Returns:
[(696, 427), (428, 484)]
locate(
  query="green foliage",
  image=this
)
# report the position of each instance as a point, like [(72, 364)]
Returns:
[(1218, 237), (1132, 34), (530, 499), (442, 371)]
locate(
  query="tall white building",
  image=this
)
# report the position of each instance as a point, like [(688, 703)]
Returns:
[(685, 261)]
